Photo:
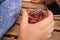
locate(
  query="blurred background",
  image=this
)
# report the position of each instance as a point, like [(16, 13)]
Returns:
[(30, 5)]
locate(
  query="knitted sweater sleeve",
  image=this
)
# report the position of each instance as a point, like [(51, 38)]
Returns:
[(9, 11)]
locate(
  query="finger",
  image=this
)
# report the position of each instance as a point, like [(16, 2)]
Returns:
[(48, 29), (51, 30), (49, 36), (51, 27), (24, 16), (50, 13)]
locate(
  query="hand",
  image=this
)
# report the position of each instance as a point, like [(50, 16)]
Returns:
[(38, 31)]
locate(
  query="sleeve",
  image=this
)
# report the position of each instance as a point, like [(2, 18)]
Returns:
[(9, 11)]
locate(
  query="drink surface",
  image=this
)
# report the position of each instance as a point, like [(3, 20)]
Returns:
[(37, 15)]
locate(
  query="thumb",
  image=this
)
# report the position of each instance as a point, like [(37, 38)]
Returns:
[(24, 16)]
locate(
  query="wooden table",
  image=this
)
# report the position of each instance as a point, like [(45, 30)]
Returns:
[(12, 34)]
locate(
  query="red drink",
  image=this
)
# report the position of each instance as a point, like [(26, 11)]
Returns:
[(36, 16)]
